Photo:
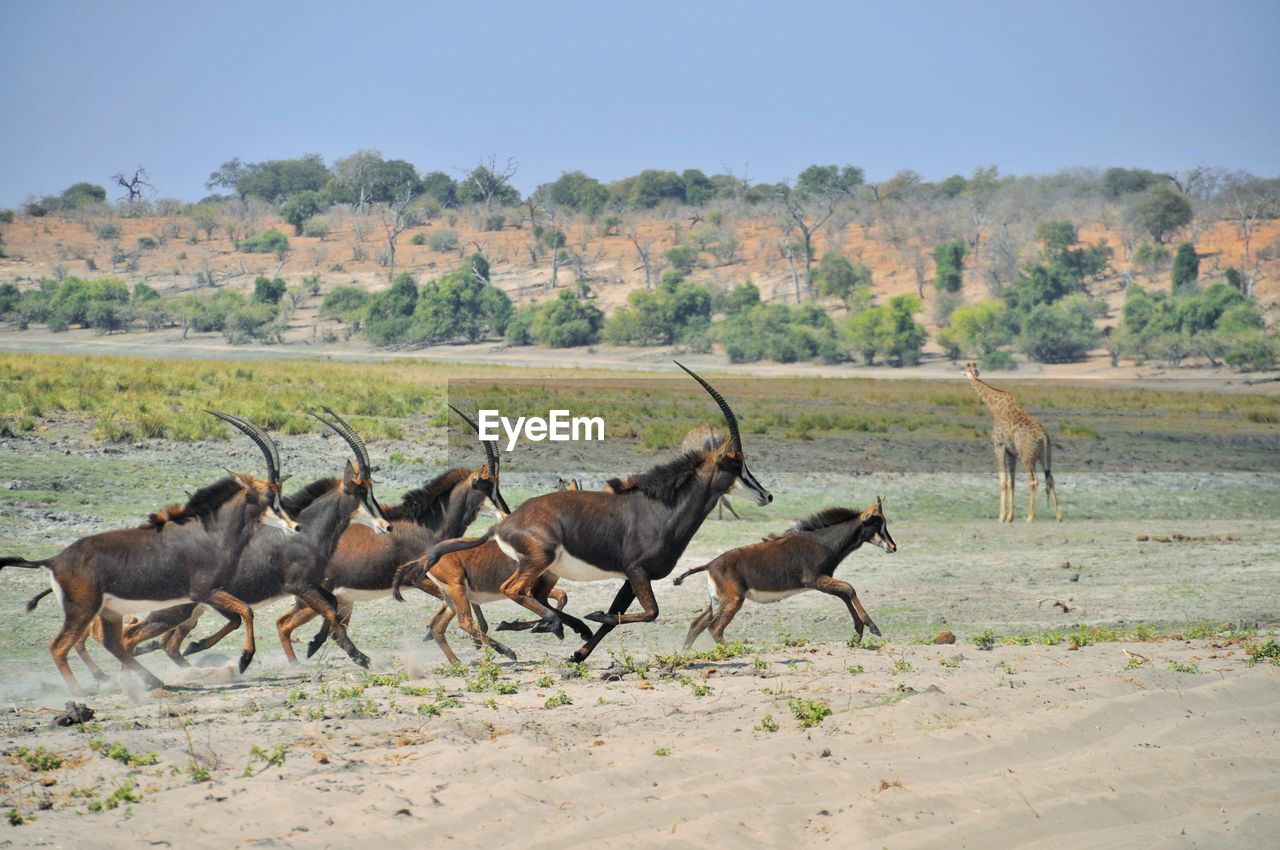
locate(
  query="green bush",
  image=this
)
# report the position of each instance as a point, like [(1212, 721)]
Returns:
[(997, 361), (779, 333), (1061, 332), (268, 290), (1186, 267), (316, 227), (345, 302), (419, 238), (674, 312), (270, 241), (682, 258), (889, 330), (981, 328), (948, 259), (443, 239), (743, 297), (835, 276), (108, 232), (563, 322), (1252, 351)]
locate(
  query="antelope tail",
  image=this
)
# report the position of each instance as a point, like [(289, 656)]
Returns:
[(24, 563), (680, 578), (406, 572), (35, 600)]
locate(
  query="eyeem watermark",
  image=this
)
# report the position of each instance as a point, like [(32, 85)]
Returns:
[(558, 427)]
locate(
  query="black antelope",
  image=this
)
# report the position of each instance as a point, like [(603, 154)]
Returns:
[(470, 578), (182, 555), (637, 533), (270, 569), (364, 565), (802, 558)]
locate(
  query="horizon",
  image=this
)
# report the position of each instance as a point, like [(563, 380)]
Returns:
[(758, 91)]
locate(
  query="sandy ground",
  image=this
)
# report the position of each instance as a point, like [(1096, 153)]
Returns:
[(1026, 746)]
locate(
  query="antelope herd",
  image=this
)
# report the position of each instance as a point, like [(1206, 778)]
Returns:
[(239, 544)]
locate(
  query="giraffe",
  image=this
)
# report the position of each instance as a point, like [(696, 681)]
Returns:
[(1016, 435)]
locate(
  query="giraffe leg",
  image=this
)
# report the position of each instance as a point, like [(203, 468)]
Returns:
[(1003, 473), (1010, 465), (1034, 485)]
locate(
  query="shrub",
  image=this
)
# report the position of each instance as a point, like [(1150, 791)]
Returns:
[(268, 290), (444, 239), (780, 333), (419, 238), (567, 321), (146, 243), (676, 311), (108, 232), (1059, 333), (270, 241), (1252, 351), (948, 258), (835, 276), (345, 302), (1186, 267), (682, 258), (997, 361), (316, 227), (981, 328)]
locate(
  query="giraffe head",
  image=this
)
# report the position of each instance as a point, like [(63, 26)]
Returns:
[(971, 369)]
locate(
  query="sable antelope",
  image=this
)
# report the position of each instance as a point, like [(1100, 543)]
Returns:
[(802, 558), (705, 438), (364, 565), (470, 578), (638, 532), (271, 569), (182, 554)]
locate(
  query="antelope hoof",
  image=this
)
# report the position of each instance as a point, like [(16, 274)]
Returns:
[(874, 630), (504, 650), (360, 658), (194, 647), (100, 676), (602, 617), (314, 647), (149, 646), (245, 658), (152, 683), (578, 657)]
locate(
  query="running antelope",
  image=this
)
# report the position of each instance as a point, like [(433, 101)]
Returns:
[(182, 555), (470, 578), (637, 533), (803, 558), (272, 569), (364, 565)]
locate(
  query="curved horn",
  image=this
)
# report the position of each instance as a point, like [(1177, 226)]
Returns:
[(256, 434), (354, 439), (491, 454), (729, 418)]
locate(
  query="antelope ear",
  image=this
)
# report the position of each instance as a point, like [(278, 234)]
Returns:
[(348, 473), (284, 478), (245, 481)]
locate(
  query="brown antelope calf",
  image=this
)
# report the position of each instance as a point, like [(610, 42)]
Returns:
[(801, 558), (470, 578)]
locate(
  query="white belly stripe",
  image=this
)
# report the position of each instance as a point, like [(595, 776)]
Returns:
[(767, 596)]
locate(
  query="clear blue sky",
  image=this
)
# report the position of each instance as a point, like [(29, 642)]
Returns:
[(91, 88)]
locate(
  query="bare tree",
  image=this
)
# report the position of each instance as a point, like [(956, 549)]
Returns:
[(1250, 201), (807, 213), (644, 250), (397, 217), (133, 185)]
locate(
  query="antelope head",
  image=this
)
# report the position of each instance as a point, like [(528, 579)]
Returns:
[(730, 457), (485, 479), (875, 527), (265, 494), (357, 479)]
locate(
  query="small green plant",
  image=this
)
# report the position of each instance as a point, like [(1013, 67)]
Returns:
[(374, 680), (1270, 650), (16, 818), (902, 665), (455, 668), (624, 659), (1184, 668), (1007, 668), (275, 757), (949, 663), (767, 724), (759, 666), (560, 698), (40, 759), (809, 712), (985, 640), (348, 692), (414, 691), (857, 670), (1133, 663), (199, 773), (119, 752), (296, 695), (700, 689), (795, 642), (545, 682), (662, 751), (124, 793), (576, 670)]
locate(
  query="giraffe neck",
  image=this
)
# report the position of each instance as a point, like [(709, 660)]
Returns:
[(991, 397)]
